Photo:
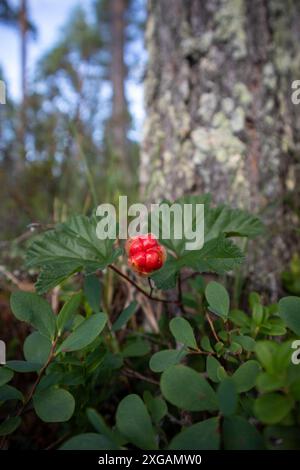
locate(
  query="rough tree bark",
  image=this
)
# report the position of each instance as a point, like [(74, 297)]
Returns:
[(219, 112)]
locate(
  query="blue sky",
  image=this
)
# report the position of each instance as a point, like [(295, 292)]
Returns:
[(50, 16)]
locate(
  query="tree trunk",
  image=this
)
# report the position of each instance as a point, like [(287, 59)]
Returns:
[(219, 113), (23, 33), (23, 26), (119, 118)]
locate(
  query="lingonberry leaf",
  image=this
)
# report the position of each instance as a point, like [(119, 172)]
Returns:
[(134, 422), (289, 311), (69, 309), (204, 435), (217, 298), (183, 332), (125, 316), (85, 333), (37, 348), (187, 389), (5, 375), (31, 308), (161, 360), (239, 434), (54, 405), (227, 396), (89, 441), (10, 425)]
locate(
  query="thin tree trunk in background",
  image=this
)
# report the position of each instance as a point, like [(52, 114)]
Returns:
[(119, 118), (23, 24), (219, 116), (23, 32)]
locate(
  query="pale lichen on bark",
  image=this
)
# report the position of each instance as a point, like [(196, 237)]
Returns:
[(219, 113)]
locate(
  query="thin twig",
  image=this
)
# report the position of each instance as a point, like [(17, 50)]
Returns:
[(174, 420), (147, 336), (22, 285), (32, 230), (140, 289), (137, 375), (148, 310), (212, 327), (193, 275), (180, 299), (39, 377), (199, 351), (151, 286), (58, 441)]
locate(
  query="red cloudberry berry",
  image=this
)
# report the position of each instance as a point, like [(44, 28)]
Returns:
[(145, 254)]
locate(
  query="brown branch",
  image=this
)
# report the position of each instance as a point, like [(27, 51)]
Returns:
[(212, 327), (180, 300), (132, 373), (199, 351), (150, 286), (140, 289), (22, 285), (58, 441), (194, 274), (39, 377), (34, 228), (174, 420)]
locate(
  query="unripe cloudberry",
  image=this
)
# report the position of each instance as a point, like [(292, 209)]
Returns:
[(145, 254)]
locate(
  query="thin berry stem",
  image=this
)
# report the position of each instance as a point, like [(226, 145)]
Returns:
[(140, 289)]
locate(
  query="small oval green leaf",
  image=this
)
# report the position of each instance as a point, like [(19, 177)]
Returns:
[(134, 423), (85, 334), (187, 389), (54, 405), (183, 332), (218, 299)]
